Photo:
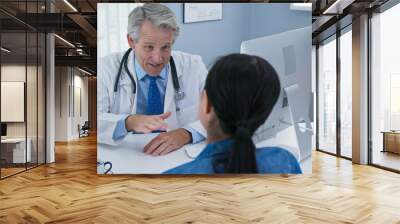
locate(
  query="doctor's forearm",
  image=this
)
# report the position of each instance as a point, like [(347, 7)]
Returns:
[(146, 123), (129, 121)]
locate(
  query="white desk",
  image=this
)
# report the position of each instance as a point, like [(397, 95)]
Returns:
[(18, 149), (128, 157)]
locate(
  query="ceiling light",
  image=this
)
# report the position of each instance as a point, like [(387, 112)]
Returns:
[(338, 6), (84, 71), (65, 41), (70, 5), (5, 50)]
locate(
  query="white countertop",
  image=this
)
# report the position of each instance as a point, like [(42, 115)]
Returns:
[(128, 156)]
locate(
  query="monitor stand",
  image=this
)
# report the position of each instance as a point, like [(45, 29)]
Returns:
[(299, 114)]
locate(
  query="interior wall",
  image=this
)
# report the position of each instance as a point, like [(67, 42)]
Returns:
[(360, 90), (213, 38), (240, 22), (273, 18), (92, 103), (50, 96), (17, 73), (61, 103), (80, 109), (71, 102)]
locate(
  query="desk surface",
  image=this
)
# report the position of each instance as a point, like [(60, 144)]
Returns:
[(128, 156)]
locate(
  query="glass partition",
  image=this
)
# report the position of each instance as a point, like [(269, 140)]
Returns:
[(327, 95), (31, 98), (22, 77), (41, 97), (346, 92), (13, 104), (385, 89)]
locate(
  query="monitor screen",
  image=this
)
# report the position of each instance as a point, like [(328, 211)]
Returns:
[(3, 129)]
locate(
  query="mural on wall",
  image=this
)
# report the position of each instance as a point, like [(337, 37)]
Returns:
[(153, 107)]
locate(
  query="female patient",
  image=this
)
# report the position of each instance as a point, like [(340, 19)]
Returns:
[(239, 95)]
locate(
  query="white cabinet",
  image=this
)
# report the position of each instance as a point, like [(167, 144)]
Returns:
[(17, 146)]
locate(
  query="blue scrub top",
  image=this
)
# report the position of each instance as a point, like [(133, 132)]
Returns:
[(270, 160)]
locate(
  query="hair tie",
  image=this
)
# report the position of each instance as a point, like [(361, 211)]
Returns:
[(242, 131), (241, 124)]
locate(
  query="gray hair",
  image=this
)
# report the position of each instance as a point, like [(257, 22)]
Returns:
[(159, 15)]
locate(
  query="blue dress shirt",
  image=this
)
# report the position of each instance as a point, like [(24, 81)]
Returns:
[(141, 108), (271, 160)]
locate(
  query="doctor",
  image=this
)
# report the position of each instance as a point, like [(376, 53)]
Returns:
[(151, 88)]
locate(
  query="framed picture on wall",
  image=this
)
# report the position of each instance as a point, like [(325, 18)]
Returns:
[(199, 12), (12, 101)]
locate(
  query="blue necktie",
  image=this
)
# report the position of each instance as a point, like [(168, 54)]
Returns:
[(154, 103)]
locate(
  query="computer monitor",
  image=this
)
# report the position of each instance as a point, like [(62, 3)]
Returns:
[(290, 54), (3, 129)]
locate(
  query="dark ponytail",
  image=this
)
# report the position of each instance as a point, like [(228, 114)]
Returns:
[(243, 90), (242, 158)]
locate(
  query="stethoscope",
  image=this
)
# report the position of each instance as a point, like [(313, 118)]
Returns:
[(179, 94)]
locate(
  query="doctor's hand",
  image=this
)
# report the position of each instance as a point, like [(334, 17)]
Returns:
[(146, 123), (167, 142)]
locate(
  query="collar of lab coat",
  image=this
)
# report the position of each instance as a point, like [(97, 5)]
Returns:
[(169, 104)]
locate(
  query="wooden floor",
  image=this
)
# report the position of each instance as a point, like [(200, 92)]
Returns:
[(70, 191), (387, 159), (5, 172), (10, 171)]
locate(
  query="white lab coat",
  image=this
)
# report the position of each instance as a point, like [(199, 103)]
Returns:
[(112, 107)]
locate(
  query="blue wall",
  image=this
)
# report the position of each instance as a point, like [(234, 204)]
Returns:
[(240, 22), (211, 39), (272, 18)]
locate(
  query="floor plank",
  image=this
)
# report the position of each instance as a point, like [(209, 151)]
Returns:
[(70, 191)]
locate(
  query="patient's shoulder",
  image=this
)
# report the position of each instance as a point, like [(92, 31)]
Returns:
[(276, 160), (277, 151), (203, 166)]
